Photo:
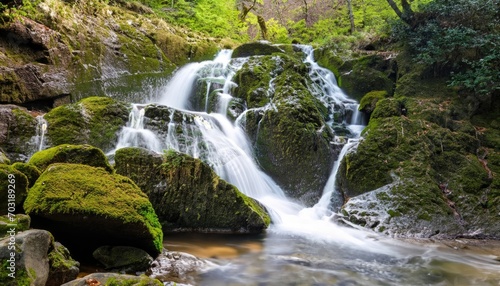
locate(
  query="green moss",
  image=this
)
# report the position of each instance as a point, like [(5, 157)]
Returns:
[(194, 195), (11, 178), (21, 222), (73, 190), (76, 154), (29, 170), (369, 100), (23, 277), (4, 159)]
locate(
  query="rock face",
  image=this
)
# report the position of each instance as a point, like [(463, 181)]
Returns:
[(287, 125), (38, 260), (17, 132), (190, 195), (115, 50), (114, 279), (75, 154), (424, 172), (94, 120), (83, 203)]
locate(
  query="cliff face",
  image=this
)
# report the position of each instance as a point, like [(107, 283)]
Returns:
[(57, 51)]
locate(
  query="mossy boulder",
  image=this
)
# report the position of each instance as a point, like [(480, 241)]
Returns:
[(124, 259), (35, 260), (83, 203), (94, 120), (75, 154), (365, 74), (13, 190), (413, 177), (17, 132), (142, 166), (4, 159), (29, 170), (194, 196), (188, 195), (255, 49), (115, 279), (21, 222), (287, 124), (369, 101)]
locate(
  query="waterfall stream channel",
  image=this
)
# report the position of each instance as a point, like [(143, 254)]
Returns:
[(303, 245)]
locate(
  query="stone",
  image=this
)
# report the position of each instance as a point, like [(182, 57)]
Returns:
[(179, 267), (123, 259), (13, 190), (114, 279), (83, 203)]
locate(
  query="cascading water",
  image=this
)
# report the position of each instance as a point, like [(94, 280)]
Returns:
[(205, 132), (41, 129)]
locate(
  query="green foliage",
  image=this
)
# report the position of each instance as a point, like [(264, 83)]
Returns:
[(459, 37)]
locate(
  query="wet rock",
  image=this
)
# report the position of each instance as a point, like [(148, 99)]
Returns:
[(123, 259), (179, 267), (96, 279), (188, 195), (83, 203), (290, 135), (34, 260), (74, 154)]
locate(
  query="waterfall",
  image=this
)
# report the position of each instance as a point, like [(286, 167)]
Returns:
[(226, 146), (41, 129)]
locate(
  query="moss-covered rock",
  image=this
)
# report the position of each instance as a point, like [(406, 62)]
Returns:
[(124, 259), (75, 154), (83, 203), (114, 279), (29, 170), (368, 73), (62, 267), (255, 49), (13, 190), (94, 120), (287, 124), (194, 196), (20, 222), (442, 186), (4, 159), (188, 195), (369, 101), (17, 132)]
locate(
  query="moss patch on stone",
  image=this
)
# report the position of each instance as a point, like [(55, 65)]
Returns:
[(76, 199), (255, 49), (13, 189), (29, 170), (76, 154)]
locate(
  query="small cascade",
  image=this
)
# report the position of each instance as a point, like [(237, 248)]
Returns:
[(41, 129), (135, 135)]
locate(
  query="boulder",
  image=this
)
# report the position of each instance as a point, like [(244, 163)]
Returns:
[(62, 267), (13, 190), (255, 49), (189, 195), (30, 171), (33, 261), (74, 154), (291, 136), (17, 132), (83, 203), (369, 101), (179, 267), (94, 120), (114, 279), (124, 259), (412, 177)]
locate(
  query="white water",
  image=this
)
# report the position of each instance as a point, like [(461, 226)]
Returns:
[(41, 129)]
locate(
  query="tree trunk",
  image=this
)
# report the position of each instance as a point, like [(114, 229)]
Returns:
[(306, 12), (263, 28), (406, 15), (351, 15)]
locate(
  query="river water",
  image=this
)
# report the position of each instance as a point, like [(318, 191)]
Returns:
[(303, 245)]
